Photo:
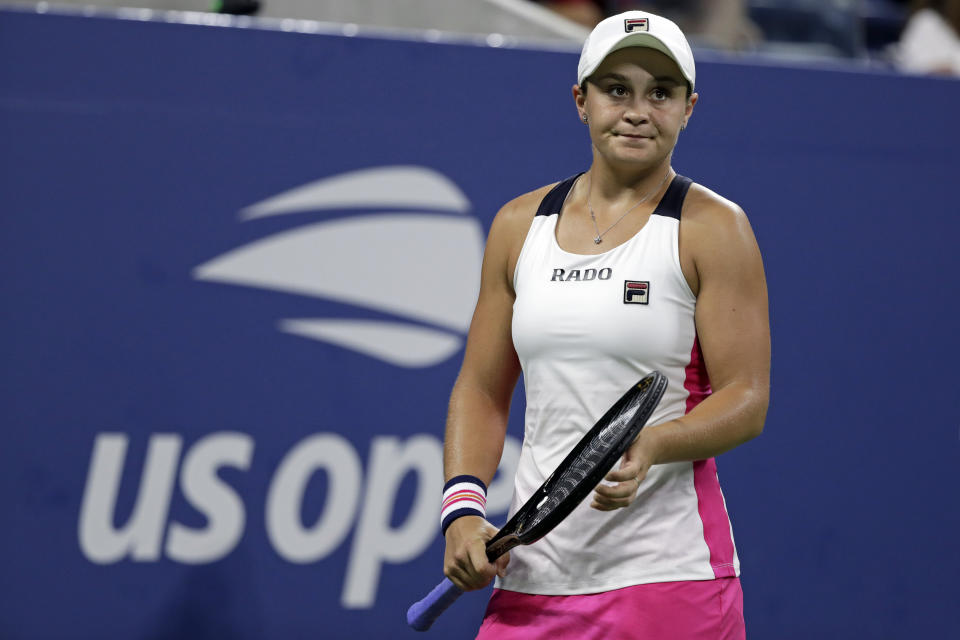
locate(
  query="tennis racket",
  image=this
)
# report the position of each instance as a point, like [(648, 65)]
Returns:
[(567, 486)]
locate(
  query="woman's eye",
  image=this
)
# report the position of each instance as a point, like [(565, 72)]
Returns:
[(617, 91), (660, 94)]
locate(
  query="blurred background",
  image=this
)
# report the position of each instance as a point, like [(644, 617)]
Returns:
[(885, 33), (239, 251)]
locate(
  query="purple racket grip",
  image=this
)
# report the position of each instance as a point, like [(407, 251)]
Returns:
[(422, 614)]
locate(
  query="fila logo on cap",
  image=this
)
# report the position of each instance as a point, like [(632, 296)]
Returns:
[(636, 24), (635, 292)]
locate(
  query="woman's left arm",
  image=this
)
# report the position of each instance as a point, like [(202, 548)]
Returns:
[(719, 249)]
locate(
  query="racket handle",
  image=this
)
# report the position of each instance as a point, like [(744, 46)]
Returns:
[(422, 614)]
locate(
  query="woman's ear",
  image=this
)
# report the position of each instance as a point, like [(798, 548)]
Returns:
[(691, 102), (580, 98)]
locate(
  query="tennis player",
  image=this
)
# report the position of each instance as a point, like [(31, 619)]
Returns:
[(588, 285)]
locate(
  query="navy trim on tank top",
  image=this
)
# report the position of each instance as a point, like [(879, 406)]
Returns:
[(553, 201), (672, 201), (670, 204)]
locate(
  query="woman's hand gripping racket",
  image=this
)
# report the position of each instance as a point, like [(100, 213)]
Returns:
[(567, 486)]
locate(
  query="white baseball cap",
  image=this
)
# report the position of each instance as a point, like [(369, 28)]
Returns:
[(636, 29)]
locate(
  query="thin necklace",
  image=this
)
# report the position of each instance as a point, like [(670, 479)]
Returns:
[(599, 237)]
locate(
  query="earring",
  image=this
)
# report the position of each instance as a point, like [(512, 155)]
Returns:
[(683, 126), (584, 117)]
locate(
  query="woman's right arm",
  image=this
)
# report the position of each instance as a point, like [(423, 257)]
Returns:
[(480, 401)]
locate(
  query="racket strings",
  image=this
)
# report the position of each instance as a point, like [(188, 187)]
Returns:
[(589, 458)]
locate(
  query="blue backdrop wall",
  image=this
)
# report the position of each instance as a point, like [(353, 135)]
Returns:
[(223, 386)]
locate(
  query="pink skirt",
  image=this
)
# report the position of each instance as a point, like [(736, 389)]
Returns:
[(694, 610)]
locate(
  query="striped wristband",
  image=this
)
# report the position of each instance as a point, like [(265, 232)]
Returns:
[(462, 496)]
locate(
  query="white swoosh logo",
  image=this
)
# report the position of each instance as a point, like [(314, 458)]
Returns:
[(424, 267), (400, 344), (398, 187)]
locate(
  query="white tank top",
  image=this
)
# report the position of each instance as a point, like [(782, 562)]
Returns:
[(587, 327)]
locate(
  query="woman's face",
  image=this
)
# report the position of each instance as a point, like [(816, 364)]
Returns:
[(635, 105)]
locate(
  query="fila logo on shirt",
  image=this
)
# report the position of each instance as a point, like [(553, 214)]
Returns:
[(636, 292), (636, 24), (585, 275)]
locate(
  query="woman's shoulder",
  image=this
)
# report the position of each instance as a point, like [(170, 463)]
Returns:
[(526, 204), (707, 208), (713, 230), (517, 214), (510, 227)]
